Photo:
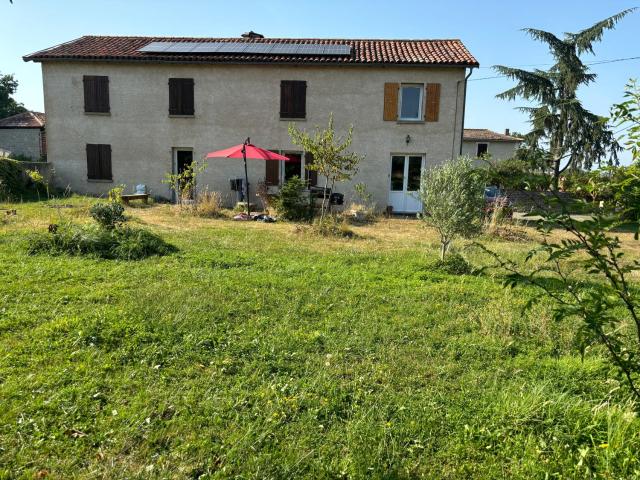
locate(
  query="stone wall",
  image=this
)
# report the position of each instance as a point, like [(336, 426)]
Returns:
[(21, 141)]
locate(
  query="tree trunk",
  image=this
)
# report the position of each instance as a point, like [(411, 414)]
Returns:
[(324, 198), (555, 179), (444, 247)]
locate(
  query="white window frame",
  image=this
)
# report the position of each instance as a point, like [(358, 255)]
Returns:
[(481, 143), (303, 162), (420, 116)]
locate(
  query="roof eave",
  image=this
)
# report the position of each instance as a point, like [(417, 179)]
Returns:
[(42, 59)]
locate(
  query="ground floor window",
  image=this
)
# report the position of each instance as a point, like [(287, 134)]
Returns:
[(276, 172)]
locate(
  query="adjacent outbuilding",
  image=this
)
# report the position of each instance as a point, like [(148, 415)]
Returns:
[(23, 135)]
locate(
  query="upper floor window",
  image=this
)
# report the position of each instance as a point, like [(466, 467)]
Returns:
[(411, 102), (99, 162), (181, 96), (293, 99), (96, 94), (482, 149)]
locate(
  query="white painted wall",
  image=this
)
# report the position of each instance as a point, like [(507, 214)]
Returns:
[(233, 102), (498, 150)]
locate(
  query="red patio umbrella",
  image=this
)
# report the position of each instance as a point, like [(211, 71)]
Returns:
[(244, 151)]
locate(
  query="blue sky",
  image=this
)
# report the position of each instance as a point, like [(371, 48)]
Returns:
[(490, 29)]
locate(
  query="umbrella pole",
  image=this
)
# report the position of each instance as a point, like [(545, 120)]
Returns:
[(246, 176)]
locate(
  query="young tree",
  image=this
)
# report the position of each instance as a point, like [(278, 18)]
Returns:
[(452, 196), (607, 303), (330, 158), (559, 121), (8, 106), (627, 114)]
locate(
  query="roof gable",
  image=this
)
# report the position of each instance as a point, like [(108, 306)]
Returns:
[(364, 52), (24, 120)]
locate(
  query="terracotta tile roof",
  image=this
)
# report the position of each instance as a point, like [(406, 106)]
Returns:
[(483, 134), (24, 120), (398, 52)]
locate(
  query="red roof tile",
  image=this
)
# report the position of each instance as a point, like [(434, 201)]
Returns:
[(483, 134), (398, 52), (24, 120)]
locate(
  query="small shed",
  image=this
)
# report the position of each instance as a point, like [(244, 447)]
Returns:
[(24, 135)]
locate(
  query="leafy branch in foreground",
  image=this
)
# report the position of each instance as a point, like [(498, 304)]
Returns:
[(604, 300)]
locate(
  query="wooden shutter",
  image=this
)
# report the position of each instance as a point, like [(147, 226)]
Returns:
[(390, 101), (105, 162), (432, 102), (96, 94), (181, 98), (99, 162), (293, 99), (272, 172), (312, 175), (93, 161)]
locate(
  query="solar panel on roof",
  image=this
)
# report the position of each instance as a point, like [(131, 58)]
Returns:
[(246, 48), (180, 47)]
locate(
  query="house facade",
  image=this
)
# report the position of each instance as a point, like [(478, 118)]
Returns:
[(127, 110), (481, 141), (24, 134)]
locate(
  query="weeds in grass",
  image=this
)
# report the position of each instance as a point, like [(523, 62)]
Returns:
[(122, 243), (453, 264), (208, 204)]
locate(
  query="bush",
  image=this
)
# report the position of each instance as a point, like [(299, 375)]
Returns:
[(115, 194), (514, 174), (454, 264), (12, 183), (94, 241), (108, 215), (292, 203)]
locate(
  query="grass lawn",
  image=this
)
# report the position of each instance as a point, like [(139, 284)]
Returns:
[(259, 351)]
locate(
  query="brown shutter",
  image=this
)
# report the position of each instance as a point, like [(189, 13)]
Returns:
[(272, 172), (105, 162), (99, 162), (390, 101), (293, 99), (181, 98), (312, 175), (93, 161), (432, 102), (96, 94)]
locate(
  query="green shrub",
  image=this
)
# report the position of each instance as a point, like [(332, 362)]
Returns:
[(292, 203), (12, 182), (93, 241), (453, 264), (108, 215), (333, 226), (514, 174)]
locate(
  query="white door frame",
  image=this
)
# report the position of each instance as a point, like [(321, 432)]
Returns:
[(405, 180)]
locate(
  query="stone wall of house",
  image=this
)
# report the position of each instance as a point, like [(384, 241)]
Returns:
[(21, 141), (233, 102)]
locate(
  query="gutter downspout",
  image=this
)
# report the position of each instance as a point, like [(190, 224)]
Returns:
[(464, 107)]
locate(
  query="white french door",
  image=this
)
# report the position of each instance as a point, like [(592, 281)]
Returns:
[(404, 183)]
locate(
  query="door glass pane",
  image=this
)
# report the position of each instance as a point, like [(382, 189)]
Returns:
[(410, 105), (415, 170), (397, 173)]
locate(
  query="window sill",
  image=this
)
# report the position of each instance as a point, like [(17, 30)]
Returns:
[(98, 114), (418, 122), (182, 116), (286, 119), (97, 180)]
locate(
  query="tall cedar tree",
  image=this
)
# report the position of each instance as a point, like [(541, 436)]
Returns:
[(568, 131)]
